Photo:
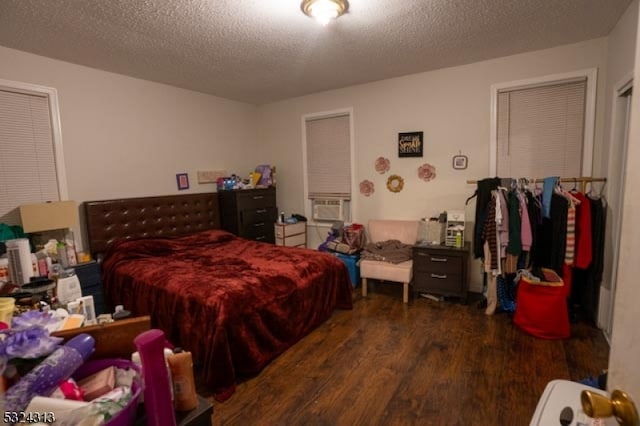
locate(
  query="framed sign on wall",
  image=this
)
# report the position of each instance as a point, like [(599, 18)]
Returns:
[(410, 144)]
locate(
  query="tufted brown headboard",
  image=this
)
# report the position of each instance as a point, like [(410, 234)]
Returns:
[(166, 216)]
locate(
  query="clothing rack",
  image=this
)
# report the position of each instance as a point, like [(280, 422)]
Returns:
[(582, 180)]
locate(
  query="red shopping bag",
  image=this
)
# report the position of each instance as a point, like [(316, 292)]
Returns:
[(541, 307), (354, 236)]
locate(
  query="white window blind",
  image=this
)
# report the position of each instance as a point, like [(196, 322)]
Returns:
[(27, 161), (329, 158), (541, 130)]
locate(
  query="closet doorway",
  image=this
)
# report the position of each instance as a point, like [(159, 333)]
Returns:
[(621, 119)]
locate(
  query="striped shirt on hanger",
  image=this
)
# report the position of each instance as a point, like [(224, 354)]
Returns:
[(571, 234)]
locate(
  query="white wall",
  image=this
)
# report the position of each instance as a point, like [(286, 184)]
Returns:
[(451, 106), (125, 137), (625, 345)]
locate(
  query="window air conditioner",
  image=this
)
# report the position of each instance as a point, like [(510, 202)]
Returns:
[(328, 209)]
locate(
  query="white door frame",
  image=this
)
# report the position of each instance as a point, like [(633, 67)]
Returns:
[(616, 183)]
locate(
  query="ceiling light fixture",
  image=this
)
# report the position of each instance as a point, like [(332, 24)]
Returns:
[(324, 11)]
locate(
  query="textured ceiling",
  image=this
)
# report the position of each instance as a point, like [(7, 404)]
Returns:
[(260, 51)]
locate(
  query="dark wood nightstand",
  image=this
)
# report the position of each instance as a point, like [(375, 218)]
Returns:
[(441, 270)]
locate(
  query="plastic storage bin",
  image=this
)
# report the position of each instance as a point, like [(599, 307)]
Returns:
[(127, 416), (351, 260)]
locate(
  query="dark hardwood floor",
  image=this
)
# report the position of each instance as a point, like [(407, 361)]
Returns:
[(428, 362)]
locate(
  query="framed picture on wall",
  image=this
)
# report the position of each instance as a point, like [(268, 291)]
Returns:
[(183, 181), (460, 162), (410, 144)]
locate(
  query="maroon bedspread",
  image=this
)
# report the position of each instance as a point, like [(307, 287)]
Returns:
[(235, 304)]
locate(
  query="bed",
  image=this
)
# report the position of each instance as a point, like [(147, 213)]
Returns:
[(235, 304)]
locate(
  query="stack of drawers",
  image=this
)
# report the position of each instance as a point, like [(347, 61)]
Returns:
[(441, 270), (249, 213), (291, 234)]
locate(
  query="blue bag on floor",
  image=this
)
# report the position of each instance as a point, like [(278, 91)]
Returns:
[(506, 290)]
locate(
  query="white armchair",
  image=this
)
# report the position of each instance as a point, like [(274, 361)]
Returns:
[(406, 231)]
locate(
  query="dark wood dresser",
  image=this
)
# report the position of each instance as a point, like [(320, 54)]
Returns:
[(249, 213), (441, 270)]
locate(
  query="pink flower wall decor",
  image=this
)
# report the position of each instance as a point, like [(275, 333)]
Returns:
[(427, 172), (382, 165), (366, 188)]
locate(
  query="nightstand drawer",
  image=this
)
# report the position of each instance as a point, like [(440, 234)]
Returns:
[(289, 229), (299, 240), (437, 262), (440, 283)]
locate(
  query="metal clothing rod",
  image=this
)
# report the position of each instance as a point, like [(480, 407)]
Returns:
[(583, 180)]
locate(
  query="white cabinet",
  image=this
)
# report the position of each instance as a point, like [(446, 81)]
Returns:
[(291, 234), (455, 227)]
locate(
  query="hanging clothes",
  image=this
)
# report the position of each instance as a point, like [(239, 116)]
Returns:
[(571, 234), (586, 283), (526, 236), (502, 226), (483, 191), (548, 187), (519, 228), (489, 235), (492, 291), (515, 242), (556, 232), (534, 207), (598, 224), (584, 240)]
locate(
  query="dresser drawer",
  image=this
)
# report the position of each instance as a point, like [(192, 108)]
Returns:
[(445, 283), (260, 215), (264, 238), (258, 229), (441, 263), (256, 199)]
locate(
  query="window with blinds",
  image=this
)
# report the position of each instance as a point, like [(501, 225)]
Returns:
[(540, 130), (329, 158), (27, 160)]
